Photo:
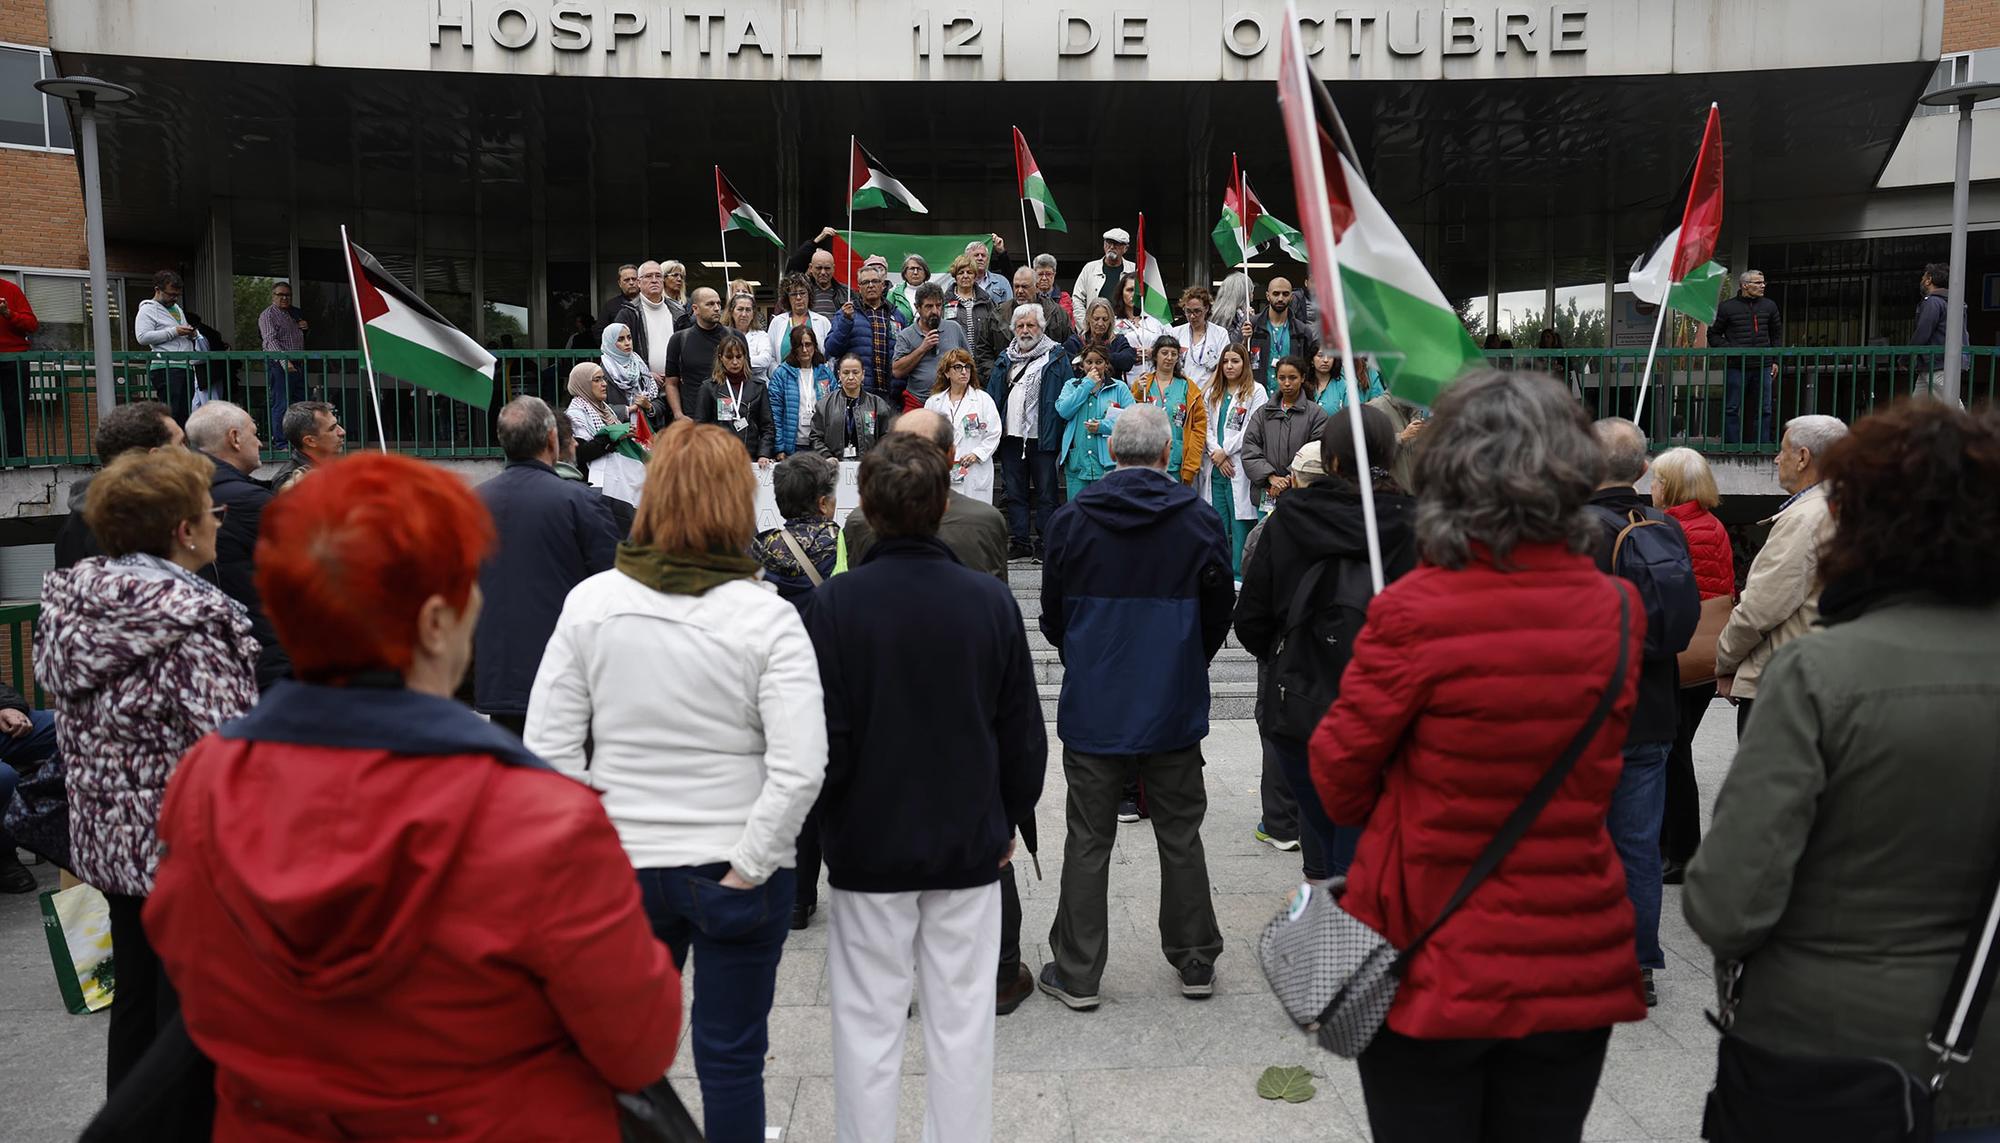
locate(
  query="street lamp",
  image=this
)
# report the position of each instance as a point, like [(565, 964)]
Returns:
[(87, 94), (1961, 96)]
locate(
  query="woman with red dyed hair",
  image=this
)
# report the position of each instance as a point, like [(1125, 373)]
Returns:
[(357, 903)]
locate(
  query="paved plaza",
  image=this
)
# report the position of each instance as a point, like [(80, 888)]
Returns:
[(1147, 1065)]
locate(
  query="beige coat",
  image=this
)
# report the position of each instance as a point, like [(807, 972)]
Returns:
[(1781, 596)]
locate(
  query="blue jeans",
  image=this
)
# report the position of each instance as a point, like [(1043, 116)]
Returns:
[(1027, 478), (24, 753), (1637, 807), (1336, 842), (286, 386), (1746, 396), (738, 936)]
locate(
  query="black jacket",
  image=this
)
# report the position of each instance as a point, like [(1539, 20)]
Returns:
[(1743, 324), (1315, 522), (758, 434), (552, 534), (923, 787), (830, 300), (235, 566), (1656, 716), (1305, 344)]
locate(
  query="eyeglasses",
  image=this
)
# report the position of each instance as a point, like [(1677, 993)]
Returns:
[(219, 511)]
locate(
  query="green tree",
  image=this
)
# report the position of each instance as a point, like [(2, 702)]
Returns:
[(1475, 324), (1579, 328)]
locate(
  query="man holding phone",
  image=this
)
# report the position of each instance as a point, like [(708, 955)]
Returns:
[(918, 348)]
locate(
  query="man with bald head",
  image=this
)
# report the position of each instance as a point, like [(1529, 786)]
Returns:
[(1277, 333), (227, 435), (814, 259), (691, 354)]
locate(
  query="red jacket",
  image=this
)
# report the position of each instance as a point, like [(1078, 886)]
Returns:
[(1708, 543), (432, 943), (20, 320), (1464, 687)]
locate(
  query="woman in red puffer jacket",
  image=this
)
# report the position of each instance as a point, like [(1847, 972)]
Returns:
[(1469, 678), (1684, 486)]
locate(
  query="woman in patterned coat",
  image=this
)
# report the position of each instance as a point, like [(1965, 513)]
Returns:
[(142, 657)]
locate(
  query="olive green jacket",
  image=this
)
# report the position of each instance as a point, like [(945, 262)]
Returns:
[(1853, 838)]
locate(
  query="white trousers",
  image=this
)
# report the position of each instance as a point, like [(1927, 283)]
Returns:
[(948, 941)]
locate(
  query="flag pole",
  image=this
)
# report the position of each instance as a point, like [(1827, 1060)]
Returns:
[(725, 265), (852, 144), (1027, 243), (1651, 348), (367, 359)]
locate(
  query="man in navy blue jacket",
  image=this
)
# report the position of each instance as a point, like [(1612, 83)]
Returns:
[(1136, 595), (924, 791), (552, 535)]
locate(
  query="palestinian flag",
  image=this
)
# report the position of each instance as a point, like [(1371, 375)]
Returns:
[(410, 340), (1261, 227), (739, 215), (869, 183), (1152, 289), (1678, 268), (1395, 313), (1032, 189), (937, 250)]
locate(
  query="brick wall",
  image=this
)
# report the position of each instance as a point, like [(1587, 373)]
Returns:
[(24, 22), (1970, 25), (45, 209)]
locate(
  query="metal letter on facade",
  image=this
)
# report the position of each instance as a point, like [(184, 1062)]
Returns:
[(746, 35), (1566, 28), (1066, 21), (705, 20), (626, 22), (1462, 31), (569, 26), (1514, 23), (1128, 32), (796, 46), (1234, 24), (1355, 19), (512, 41), (461, 19), (1411, 45)]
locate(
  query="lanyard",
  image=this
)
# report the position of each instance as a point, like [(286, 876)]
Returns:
[(732, 391)]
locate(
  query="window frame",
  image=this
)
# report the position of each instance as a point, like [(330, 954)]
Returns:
[(48, 72)]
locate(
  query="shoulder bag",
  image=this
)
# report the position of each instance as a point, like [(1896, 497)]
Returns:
[(1336, 976), (1761, 1096)]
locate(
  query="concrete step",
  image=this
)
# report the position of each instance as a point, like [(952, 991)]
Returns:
[(1236, 700), (1230, 665)]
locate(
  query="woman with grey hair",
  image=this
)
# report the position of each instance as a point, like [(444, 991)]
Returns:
[(800, 554), (916, 271), (1470, 678)]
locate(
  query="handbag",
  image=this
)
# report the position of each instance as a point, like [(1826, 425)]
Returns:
[(1697, 663), (38, 814), (798, 551), (1762, 1096), (1336, 976), (655, 1114), (77, 925)]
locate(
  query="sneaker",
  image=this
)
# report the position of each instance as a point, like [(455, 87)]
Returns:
[(1281, 844), (1652, 994), (1012, 992), (1018, 551), (1673, 872), (1128, 810), (1198, 981), (1052, 984), (802, 912), (14, 876)]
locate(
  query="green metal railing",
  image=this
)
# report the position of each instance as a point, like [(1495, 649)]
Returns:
[(57, 392), (18, 618)]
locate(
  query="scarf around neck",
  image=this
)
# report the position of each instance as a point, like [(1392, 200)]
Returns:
[(683, 573)]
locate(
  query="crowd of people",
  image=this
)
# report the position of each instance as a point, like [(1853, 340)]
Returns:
[(417, 691)]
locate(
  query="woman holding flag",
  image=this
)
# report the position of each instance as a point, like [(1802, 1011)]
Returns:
[(631, 384), (605, 449), (1140, 329), (1167, 386)]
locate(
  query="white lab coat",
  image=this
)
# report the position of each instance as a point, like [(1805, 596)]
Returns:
[(1140, 333), (1229, 437), (975, 431), (1199, 361)]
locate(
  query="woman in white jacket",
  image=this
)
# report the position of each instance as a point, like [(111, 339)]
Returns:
[(1233, 398), (741, 316), (975, 424), (698, 691)]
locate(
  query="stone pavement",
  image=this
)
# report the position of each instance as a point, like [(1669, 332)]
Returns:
[(1147, 1065)]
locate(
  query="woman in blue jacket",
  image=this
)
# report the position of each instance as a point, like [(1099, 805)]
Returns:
[(1089, 406), (1096, 329), (796, 389)]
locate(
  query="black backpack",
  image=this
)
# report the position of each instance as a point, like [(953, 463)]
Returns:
[(1314, 647), (1647, 550)]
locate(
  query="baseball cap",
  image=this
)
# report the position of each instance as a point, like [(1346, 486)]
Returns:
[(1306, 464), (1117, 234)]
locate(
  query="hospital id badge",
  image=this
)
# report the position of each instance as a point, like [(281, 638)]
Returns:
[(848, 453), (725, 409), (741, 424)]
